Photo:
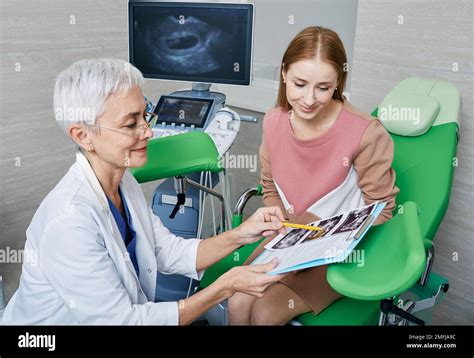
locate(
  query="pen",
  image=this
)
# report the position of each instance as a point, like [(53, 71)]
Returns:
[(298, 226)]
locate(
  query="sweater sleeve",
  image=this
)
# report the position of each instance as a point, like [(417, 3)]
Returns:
[(270, 192), (373, 164)]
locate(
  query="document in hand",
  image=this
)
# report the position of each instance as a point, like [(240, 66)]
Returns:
[(300, 248)]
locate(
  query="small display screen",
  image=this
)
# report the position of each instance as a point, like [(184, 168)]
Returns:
[(183, 110)]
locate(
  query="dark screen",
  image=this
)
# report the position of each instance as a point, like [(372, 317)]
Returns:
[(190, 42), (183, 110)]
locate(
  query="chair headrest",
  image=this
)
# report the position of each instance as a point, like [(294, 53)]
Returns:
[(408, 114)]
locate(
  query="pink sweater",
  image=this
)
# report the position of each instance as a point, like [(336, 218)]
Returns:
[(307, 170)]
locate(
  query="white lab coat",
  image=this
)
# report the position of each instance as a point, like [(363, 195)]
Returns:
[(79, 271)]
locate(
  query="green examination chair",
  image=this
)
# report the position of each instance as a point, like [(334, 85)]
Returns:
[(395, 284)]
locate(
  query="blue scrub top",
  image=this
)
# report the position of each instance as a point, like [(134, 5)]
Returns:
[(126, 229)]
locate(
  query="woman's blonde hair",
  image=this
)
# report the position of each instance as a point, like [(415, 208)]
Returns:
[(315, 42)]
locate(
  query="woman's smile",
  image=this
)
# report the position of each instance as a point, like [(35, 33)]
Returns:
[(308, 109), (140, 150)]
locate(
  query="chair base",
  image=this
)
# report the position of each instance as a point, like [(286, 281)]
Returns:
[(404, 314)]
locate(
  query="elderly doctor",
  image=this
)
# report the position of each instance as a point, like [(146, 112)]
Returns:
[(98, 244)]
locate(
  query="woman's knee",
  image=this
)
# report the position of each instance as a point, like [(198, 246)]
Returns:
[(239, 308), (266, 313), (279, 305), (240, 302), (262, 315)]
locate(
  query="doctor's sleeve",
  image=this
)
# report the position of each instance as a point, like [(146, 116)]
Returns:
[(75, 261), (174, 254)]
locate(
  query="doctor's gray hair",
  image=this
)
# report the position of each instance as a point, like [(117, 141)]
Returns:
[(82, 89)]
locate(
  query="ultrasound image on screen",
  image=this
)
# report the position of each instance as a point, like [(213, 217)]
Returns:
[(191, 43), (183, 111)]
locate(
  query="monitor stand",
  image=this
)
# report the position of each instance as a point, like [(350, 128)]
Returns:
[(201, 90)]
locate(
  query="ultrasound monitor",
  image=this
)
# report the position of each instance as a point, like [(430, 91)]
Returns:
[(197, 42), (183, 111)]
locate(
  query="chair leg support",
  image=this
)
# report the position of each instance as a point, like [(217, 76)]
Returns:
[(387, 307), (429, 264), (214, 193)]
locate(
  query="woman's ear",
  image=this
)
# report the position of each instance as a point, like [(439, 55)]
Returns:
[(80, 136)]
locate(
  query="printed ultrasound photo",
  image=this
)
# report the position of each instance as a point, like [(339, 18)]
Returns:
[(290, 239), (327, 225), (205, 42), (354, 220)]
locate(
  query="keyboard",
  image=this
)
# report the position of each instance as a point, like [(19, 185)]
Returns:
[(223, 129)]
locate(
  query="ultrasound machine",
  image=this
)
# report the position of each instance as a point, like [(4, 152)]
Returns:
[(203, 43)]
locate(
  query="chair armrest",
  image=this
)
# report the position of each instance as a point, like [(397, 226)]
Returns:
[(237, 214), (393, 259)]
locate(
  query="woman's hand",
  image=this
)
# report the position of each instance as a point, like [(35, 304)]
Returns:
[(252, 280), (264, 222)]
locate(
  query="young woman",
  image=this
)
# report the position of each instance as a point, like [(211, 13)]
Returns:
[(320, 156)]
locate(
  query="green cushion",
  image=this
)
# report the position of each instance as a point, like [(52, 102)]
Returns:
[(178, 155), (408, 114)]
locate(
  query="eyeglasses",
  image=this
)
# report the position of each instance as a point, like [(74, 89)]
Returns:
[(149, 118)]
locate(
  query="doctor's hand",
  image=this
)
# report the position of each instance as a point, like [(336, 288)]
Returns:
[(252, 280), (264, 222)]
